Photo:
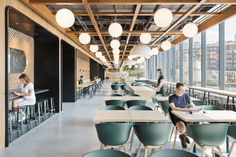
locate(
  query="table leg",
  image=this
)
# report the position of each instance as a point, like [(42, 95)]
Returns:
[(227, 144)]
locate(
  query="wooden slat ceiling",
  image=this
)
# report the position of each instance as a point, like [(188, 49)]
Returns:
[(136, 17)]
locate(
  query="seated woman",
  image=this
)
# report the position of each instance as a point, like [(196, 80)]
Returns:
[(27, 91)]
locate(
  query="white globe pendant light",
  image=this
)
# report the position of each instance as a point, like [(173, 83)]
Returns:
[(163, 17), (145, 38), (140, 50), (115, 44), (147, 57), (84, 38), (166, 45), (98, 54), (116, 51), (115, 30), (190, 30), (155, 51), (93, 48), (65, 18)]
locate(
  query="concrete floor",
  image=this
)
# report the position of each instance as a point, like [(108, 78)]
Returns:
[(68, 134)]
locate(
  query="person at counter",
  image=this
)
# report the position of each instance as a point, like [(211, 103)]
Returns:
[(180, 101), (81, 80), (160, 82), (26, 92)]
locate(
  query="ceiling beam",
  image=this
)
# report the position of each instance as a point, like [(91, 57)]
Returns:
[(230, 11), (134, 33), (179, 20), (45, 13), (94, 22), (169, 2), (141, 14), (137, 9)]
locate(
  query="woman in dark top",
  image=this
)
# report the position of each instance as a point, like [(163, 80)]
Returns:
[(160, 82)]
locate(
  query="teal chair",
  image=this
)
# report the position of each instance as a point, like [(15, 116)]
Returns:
[(115, 87), (152, 135), (106, 153), (135, 102), (155, 102), (113, 134), (165, 106), (114, 107), (199, 102), (208, 135), (173, 153), (120, 103), (211, 107), (140, 107), (232, 134)]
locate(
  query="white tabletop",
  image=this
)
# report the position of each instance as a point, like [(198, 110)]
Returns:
[(148, 116), (208, 116), (111, 116), (129, 116)]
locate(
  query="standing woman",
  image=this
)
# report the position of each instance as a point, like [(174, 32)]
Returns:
[(27, 93), (160, 82)]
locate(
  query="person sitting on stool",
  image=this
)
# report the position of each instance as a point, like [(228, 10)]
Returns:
[(180, 101), (27, 93)]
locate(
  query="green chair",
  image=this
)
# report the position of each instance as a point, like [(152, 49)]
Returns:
[(114, 107), (165, 106), (115, 87), (173, 153), (113, 134), (152, 135), (120, 103), (232, 134), (211, 107), (106, 153), (140, 107), (199, 102), (208, 135), (155, 102), (135, 102)]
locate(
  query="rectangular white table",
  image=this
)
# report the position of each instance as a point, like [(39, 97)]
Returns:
[(129, 116), (209, 116), (148, 116)]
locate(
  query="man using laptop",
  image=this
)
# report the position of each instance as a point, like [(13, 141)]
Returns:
[(180, 101)]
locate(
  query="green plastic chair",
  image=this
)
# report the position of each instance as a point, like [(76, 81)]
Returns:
[(135, 102), (152, 134), (106, 153), (232, 133), (212, 135), (140, 107), (173, 153), (120, 103), (114, 107), (165, 106), (199, 102), (113, 134), (211, 107), (155, 102)]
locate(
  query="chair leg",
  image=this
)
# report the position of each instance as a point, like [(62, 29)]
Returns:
[(102, 146), (145, 152), (175, 138), (139, 149), (131, 139), (218, 148), (192, 146), (231, 148)]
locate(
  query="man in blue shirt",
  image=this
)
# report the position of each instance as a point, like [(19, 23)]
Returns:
[(180, 101)]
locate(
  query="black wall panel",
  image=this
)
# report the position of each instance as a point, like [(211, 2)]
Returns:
[(69, 72)]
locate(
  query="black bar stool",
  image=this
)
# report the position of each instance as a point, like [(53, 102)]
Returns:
[(52, 106), (31, 116)]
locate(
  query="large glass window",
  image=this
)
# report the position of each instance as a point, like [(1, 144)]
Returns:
[(186, 62), (197, 60), (177, 62), (171, 66), (212, 40), (230, 54)]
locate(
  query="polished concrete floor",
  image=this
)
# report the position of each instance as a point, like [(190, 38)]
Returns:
[(68, 134)]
